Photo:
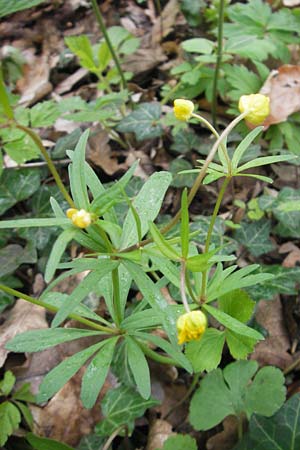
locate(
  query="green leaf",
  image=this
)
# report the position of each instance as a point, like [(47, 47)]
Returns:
[(147, 204), (233, 393), (241, 80), (267, 392), (41, 443), (121, 406), (199, 263), (25, 412), (16, 5), (154, 297), (82, 290), (185, 140), (239, 346), (96, 373), (38, 340), (13, 255), (243, 146), (141, 319), (17, 185), (78, 179), (198, 45), (57, 251), (143, 121), (211, 403), (163, 245), (280, 432), (237, 304), (44, 114), (139, 367), (91, 442), (24, 394), (255, 236), (206, 353), (286, 210), (27, 223), (265, 160), (7, 383), (170, 349), (10, 418), (180, 179), (233, 324), (283, 282), (179, 442), (81, 46), (59, 376)]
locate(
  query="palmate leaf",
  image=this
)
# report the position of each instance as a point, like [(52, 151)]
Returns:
[(200, 352), (232, 391), (10, 418), (139, 367)]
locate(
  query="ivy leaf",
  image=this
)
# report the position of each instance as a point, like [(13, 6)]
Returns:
[(121, 406), (280, 432), (234, 393), (10, 418), (287, 211), (13, 255), (255, 236), (17, 185), (185, 141), (143, 121)]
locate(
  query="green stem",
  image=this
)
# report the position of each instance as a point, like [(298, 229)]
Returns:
[(185, 397), (210, 230), (36, 139), (182, 286), (204, 168), (216, 134), (219, 61), (4, 100), (156, 356), (108, 41), (116, 297), (54, 309), (240, 426)]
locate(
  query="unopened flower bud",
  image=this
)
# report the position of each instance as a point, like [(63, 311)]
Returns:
[(258, 107), (191, 326), (80, 218), (183, 109)]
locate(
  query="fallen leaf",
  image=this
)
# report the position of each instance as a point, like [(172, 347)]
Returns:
[(23, 316), (291, 2), (165, 23), (35, 84), (64, 418), (159, 432), (283, 88), (293, 256), (274, 349), (100, 153), (67, 84)]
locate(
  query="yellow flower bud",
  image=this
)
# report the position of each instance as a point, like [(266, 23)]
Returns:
[(80, 218), (183, 109), (191, 326), (258, 106)]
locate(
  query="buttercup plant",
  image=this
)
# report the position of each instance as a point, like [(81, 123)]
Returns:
[(137, 251)]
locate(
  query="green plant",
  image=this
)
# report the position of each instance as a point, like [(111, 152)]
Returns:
[(13, 407)]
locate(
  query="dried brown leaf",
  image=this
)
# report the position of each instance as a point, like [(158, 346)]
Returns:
[(283, 88), (23, 316), (274, 349), (226, 439), (160, 431)]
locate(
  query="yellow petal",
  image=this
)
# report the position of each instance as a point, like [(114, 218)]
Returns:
[(258, 107), (183, 109)]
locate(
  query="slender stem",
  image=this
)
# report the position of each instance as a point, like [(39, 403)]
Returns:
[(190, 289), (4, 100), (108, 41), (185, 397), (240, 426), (36, 139), (216, 134), (54, 309), (210, 230), (116, 297), (204, 168), (156, 356), (218, 63), (112, 437), (182, 287), (292, 366)]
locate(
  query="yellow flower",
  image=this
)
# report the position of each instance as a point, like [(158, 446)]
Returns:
[(183, 109), (258, 106), (80, 218), (191, 326)]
